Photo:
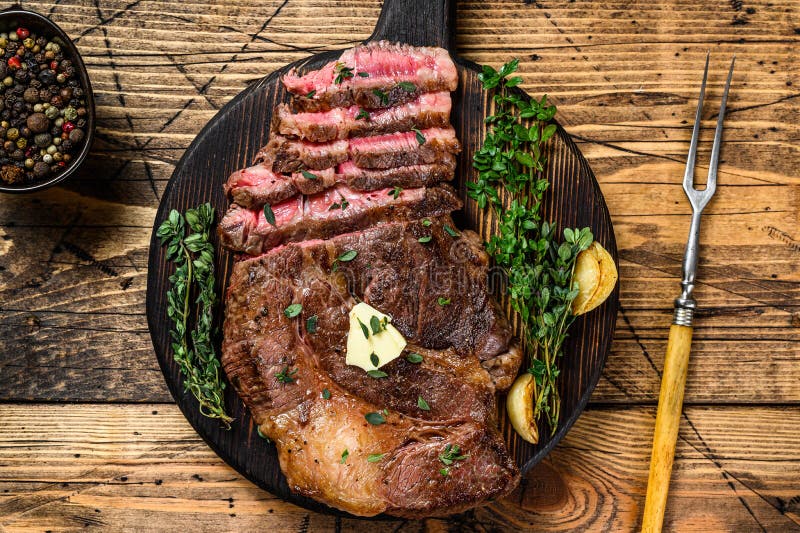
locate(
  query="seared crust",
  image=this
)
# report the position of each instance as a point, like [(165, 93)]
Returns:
[(260, 341)]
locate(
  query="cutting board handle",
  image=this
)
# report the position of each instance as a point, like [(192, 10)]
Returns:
[(417, 22)]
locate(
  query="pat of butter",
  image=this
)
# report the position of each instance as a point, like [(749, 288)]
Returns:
[(387, 344)]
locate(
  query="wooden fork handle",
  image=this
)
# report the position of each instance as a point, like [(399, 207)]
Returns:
[(670, 403)]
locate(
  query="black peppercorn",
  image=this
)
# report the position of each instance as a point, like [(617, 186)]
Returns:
[(76, 136), (41, 169), (31, 95), (47, 77), (38, 123)]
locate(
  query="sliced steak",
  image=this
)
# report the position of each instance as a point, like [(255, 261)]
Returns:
[(282, 154), (374, 75), (312, 432), (247, 230), (365, 179), (257, 185), (430, 110)]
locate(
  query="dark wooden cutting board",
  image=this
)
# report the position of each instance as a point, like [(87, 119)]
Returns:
[(574, 199)]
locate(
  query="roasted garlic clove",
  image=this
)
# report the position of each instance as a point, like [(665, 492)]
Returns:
[(519, 405), (596, 275)]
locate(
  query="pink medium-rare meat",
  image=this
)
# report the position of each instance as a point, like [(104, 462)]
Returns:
[(396, 273), (407, 148), (410, 176), (431, 110), (257, 185), (372, 76), (392, 150), (337, 210)]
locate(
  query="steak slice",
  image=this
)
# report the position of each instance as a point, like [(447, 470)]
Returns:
[(365, 179), (282, 154), (397, 274), (374, 75), (431, 110), (299, 218), (257, 185)]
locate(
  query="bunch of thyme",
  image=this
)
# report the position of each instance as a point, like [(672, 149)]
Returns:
[(538, 268), (193, 255)]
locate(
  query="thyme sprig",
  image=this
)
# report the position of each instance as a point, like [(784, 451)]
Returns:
[(192, 347), (538, 268)]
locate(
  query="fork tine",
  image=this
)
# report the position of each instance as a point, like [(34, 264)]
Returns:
[(712, 166), (688, 177)]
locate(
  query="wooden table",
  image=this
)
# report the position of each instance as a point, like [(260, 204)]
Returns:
[(89, 435)]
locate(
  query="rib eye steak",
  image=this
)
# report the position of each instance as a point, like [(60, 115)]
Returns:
[(467, 355), (343, 207)]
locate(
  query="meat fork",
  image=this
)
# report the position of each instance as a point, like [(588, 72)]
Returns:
[(670, 400)]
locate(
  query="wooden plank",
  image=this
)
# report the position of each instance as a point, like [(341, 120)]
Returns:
[(77, 330), (625, 77), (115, 466)]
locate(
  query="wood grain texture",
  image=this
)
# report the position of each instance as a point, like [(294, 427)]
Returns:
[(625, 76), (144, 464)]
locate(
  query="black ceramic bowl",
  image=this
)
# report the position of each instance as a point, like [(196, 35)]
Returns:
[(10, 19)]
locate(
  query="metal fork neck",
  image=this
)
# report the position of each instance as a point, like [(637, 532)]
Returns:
[(685, 304)]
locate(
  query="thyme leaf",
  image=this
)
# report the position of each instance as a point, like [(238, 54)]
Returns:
[(376, 419), (293, 310), (343, 72), (286, 375), (407, 86), (414, 357), (422, 404), (382, 96), (269, 215)]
